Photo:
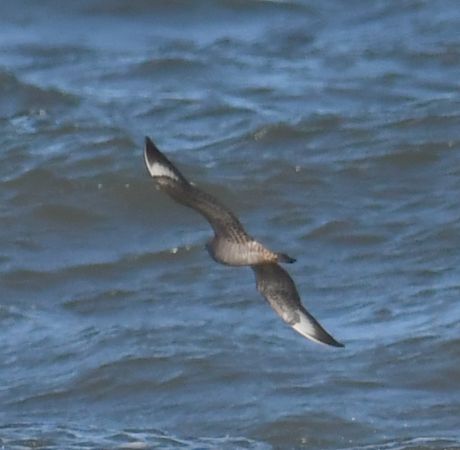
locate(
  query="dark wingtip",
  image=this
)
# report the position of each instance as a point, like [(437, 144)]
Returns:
[(326, 338), (318, 334), (335, 343), (152, 154), (282, 257), (148, 143), (323, 337), (150, 148)]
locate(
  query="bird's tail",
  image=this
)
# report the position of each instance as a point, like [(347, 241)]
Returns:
[(283, 258)]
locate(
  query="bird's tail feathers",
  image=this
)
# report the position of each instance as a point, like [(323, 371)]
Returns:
[(283, 258)]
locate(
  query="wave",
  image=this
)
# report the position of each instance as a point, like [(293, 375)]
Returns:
[(28, 100), (58, 435)]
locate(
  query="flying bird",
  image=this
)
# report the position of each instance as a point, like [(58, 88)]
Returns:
[(233, 246)]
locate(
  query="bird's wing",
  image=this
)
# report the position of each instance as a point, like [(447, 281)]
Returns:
[(278, 288), (171, 180)]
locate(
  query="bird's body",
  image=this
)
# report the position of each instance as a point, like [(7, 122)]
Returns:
[(233, 253), (233, 246)]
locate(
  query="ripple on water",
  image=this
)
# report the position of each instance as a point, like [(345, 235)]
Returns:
[(331, 131), (24, 98), (32, 435)]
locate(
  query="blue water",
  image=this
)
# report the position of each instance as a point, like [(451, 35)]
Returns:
[(330, 128)]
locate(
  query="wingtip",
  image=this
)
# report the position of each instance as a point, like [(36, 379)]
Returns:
[(310, 328), (152, 153), (334, 343), (149, 147), (158, 165), (326, 339)]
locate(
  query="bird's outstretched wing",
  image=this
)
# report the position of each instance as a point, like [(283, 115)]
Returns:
[(171, 180), (278, 288)]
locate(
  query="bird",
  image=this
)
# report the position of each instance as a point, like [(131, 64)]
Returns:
[(233, 246)]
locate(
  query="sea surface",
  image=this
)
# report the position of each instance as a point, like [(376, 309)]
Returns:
[(332, 128)]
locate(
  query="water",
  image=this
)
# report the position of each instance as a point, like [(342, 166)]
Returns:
[(331, 128)]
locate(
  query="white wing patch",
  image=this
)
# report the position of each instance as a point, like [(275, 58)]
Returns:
[(306, 328), (159, 170)]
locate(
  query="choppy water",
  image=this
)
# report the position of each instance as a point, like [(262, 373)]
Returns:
[(331, 128)]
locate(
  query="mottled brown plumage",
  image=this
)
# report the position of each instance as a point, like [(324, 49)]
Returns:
[(231, 244), (278, 288)]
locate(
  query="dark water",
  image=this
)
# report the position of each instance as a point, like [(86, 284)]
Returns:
[(331, 128)]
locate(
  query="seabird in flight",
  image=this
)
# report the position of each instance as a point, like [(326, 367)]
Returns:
[(231, 245)]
